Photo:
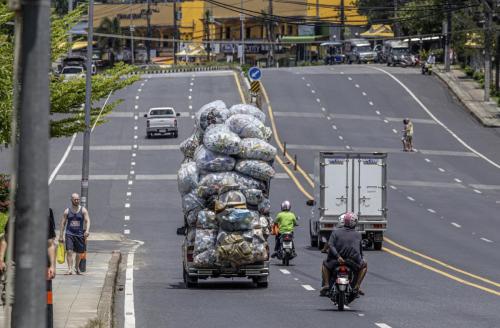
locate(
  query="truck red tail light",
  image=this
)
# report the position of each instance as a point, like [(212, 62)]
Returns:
[(189, 257)]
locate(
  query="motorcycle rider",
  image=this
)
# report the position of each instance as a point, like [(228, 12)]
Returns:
[(407, 135), (344, 248), (286, 220)]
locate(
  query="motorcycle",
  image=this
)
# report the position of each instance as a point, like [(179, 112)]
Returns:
[(286, 251), (426, 68), (341, 287)]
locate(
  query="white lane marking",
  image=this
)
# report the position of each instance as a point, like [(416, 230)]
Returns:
[(308, 84), (341, 138), (303, 78), (312, 91), (456, 225), (394, 130), (386, 121), (129, 308), (296, 279), (133, 163), (348, 147), (129, 193), (431, 210), (361, 314), (308, 287), (486, 240), (130, 182), (135, 146), (394, 187), (334, 127), (356, 85), (441, 169), (342, 73), (134, 154), (136, 106), (371, 103), (136, 127), (132, 172), (126, 232), (364, 93), (190, 107), (328, 118), (378, 112), (477, 191), (453, 134), (427, 160), (139, 90), (127, 218), (100, 112), (323, 109), (190, 90), (285, 271), (135, 137), (192, 116), (191, 84), (317, 99), (63, 159), (127, 205), (189, 97), (382, 325), (410, 198), (136, 117), (137, 97), (349, 78), (458, 180)]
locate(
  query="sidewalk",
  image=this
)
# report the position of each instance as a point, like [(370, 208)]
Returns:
[(470, 95), (78, 299)]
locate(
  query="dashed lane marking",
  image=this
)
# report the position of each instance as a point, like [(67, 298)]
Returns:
[(456, 225), (133, 163), (458, 180), (478, 191), (430, 210), (308, 84), (137, 97), (371, 103), (334, 127), (364, 94), (317, 100), (126, 231), (313, 91), (356, 85), (377, 112), (308, 287), (129, 193), (285, 271), (136, 106), (341, 138), (349, 78), (386, 121), (441, 170), (394, 130), (127, 205), (486, 240), (348, 147), (130, 182), (127, 218), (132, 172), (410, 198), (323, 109), (382, 325), (394, 187), (427, 160)]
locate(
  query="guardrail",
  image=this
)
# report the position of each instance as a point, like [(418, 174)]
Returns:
[(182, 69)]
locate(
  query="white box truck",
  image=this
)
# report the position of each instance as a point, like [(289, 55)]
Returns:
[(348, 181)]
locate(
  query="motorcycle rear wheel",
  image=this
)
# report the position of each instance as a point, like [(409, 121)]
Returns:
[(341, 300)]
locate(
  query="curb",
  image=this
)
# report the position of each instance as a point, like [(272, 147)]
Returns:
[(105, 307), (458, 94)]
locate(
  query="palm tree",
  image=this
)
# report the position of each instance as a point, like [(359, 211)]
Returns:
[(110, 44)]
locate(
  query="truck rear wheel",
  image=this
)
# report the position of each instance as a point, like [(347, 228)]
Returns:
[(377, 245), (189, 282), (261, 282)]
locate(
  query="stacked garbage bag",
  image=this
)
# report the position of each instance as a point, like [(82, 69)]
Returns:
[(224, 183)]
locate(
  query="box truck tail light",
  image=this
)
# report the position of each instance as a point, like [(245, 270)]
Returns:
[(189, 254), (328, 225), (379, 226)]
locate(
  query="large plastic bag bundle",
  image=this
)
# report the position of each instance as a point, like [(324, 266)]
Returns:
[(220, 139), (253, 196), (192, 217), (256, 169), (191, 202), (204, 240), (259, 250), (264, 206), (233, 248), (187, 177), (247, 126), (210, 161), (190, 236), (188, 146), (205, 259), (211, 183), (254, 148), (236, 219), (215, 112), (248, 110), (265, 225), (207, 220)]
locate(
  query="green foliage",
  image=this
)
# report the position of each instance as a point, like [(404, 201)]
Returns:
[(421, 17), (469, 71), (4, 192), (376, 10), (66, 97), (478, 76), (3, 221)]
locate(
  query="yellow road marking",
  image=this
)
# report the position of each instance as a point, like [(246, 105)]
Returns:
[(392, 252), (441, 263), (239, 87), (447, 275), (276, 136)]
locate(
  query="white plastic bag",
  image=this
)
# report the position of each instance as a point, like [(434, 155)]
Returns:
[(220, 139), (256, 169), (247, 126), (187, 177), (248, 110), (214, 112), (209, 161), (254, 148)]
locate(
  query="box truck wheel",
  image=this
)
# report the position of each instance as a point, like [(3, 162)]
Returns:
[(377, 245), (261, 282), (189, 282)]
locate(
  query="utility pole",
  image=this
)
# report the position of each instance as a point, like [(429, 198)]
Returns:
[(88, 104), (270, 58), (242, 34), (70, 36), (488, 11), (396, 24), (342, 20), (132, 28), (175, 31), (148, 42), (447, 33), (31, 199)]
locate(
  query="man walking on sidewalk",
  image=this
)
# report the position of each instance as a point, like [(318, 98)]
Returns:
[(77, 222)]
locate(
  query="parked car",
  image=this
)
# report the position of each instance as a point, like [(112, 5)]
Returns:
[(72, 72), (334, 53), (359, 51), (397, 53), (161, 120)]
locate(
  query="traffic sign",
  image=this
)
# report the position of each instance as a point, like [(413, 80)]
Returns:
[(255, 73), (255, 86)]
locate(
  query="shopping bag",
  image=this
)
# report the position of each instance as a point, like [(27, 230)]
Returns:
[(61, 253), (275, 229)]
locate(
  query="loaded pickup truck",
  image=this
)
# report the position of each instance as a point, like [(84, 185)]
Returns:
[(354, 182), (161, 120)]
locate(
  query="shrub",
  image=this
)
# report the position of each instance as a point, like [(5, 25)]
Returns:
[(469, 71), (4, 192), (478, 76)]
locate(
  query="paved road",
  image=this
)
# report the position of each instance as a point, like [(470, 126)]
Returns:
[(443, 201)]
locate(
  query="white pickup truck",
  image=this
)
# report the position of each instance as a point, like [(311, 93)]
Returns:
[(348, 181), (161, 120)]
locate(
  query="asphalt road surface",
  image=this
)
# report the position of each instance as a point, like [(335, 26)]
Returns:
[(440, 263)]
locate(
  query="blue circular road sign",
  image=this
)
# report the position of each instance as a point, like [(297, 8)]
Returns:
[(255, 73)]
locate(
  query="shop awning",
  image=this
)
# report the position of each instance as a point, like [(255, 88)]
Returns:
[(78, 45), (303, 38), (378, 31)]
